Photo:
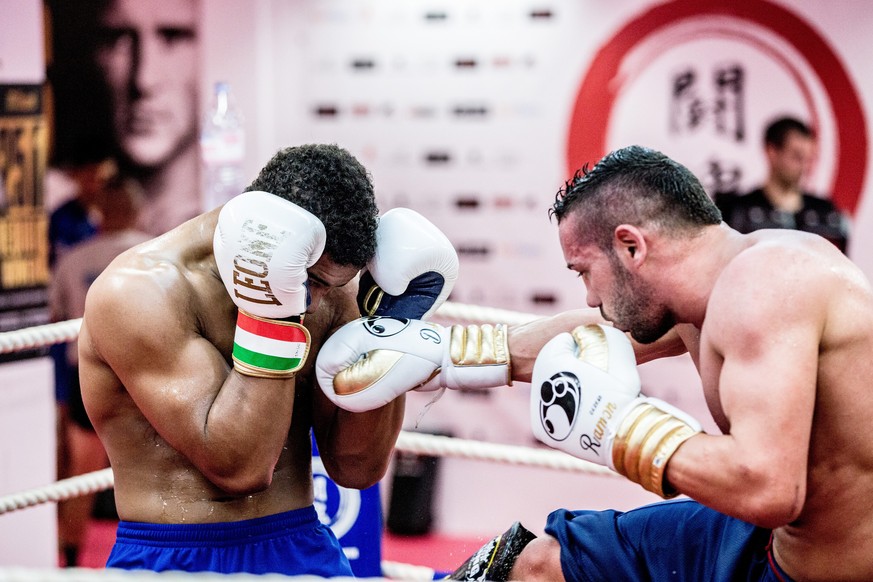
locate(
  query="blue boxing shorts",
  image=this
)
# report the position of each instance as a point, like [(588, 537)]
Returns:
[(679, 540), (292, 543)]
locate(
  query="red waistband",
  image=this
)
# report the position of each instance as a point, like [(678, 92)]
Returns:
[(772, 561)]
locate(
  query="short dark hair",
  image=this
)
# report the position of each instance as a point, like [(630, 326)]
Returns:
[(636, 185), (778, 131), (330, 183)]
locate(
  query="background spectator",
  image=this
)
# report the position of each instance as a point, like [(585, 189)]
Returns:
[(781, 202), (117, 204)]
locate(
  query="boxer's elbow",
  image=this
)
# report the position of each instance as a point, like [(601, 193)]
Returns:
[(772, 513), (241, 479), (356, 474), (243, 484), (776, 502)]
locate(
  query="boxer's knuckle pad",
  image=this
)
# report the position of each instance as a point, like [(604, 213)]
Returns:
[(372, 360), (581, 380), (415, 266), (263, 245), (379, 378)]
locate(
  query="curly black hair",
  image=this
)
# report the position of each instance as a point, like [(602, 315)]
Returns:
[(330, 183)]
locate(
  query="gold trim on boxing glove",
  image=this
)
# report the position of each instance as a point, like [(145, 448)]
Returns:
[(644, 443), (593, 346), (366, 308), (678, 433), (365, 372), (481, 345), (620, 443)]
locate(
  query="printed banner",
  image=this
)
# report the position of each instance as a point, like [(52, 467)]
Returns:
[(23, 223)]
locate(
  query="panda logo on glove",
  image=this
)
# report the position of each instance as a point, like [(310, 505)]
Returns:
[(560, 398)]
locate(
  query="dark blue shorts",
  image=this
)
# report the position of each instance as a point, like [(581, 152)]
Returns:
[(670, 541), (292, 543)]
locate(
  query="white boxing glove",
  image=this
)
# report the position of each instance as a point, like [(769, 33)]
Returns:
[(263, 245), (413, 271), (369, 362), (585, 400)]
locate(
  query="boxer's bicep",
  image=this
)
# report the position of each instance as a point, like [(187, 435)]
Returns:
[(169, 370), (767, 381)]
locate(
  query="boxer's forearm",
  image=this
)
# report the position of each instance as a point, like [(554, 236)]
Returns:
[(359, 445), (751, 485), (244, 431), (527, 339)]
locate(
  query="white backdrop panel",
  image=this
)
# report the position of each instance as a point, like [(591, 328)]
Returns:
[(462, 110)]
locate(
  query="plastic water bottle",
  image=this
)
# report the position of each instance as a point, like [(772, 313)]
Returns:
[(222, 148)]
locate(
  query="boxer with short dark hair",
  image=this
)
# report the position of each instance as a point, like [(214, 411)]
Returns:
[(196, 361), (780, 327)]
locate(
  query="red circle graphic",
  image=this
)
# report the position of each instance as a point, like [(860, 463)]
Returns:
[(586, 142)]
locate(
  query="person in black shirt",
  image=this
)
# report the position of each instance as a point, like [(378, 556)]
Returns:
[(781, 202)]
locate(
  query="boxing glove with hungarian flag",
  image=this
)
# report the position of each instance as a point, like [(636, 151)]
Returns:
[(586, 401), (263, 245), (370, 361)]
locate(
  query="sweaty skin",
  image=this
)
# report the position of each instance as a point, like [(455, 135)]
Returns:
[(780, 327), (191, 440)]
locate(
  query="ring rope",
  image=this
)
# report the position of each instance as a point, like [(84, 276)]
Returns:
[(60, 491), (443, 446), (401, 571), (64, 331), (480, 314), (391, 571), (39, 336), (409, 442)]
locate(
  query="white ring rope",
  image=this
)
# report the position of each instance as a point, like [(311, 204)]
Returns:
[(391, 571), (480, 314), (39, 336), (443, 446), (410, 442), (59, 491), (400, 571), (118, 575), (64, 331)]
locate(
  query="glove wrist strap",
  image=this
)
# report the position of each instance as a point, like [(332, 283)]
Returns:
[(269, 348), (370, 300), (479, 356), (644, 443)]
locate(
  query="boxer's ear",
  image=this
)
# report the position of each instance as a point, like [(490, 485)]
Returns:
[(630, 245)]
